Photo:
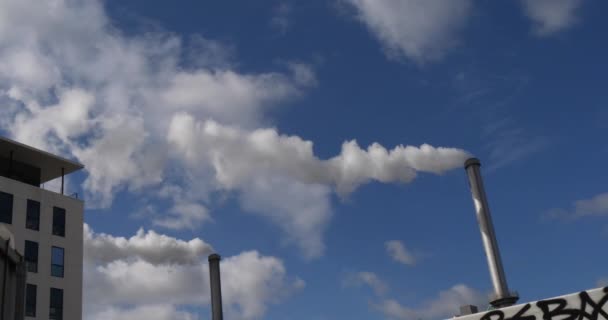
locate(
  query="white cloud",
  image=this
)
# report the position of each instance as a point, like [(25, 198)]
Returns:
[(602, 282), (421, 30), (368, 278), (103, 97), (137, 115), (151, 272), (399, 253), (596, 206), (225, 95), (446, 305), (152, 312), (301, 210), (149, 246), (281, 19), (184, 216), (551, 16), (66, 119)]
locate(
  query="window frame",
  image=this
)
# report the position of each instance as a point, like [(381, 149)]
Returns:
[(58, 228), (10, 207), (26, 256), (28, 300), (53, 264), (52, 307), (29, 217)]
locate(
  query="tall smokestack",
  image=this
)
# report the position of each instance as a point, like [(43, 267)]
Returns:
[(216, 287), (502, 296)]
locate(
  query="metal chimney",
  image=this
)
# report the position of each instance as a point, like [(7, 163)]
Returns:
[(502, 296), (216, 287)]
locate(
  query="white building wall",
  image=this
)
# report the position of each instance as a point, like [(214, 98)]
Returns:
[(72, 243)]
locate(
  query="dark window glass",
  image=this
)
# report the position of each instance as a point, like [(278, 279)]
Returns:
[(6, 207), (32, 219), (31, 255), (57, 262), (30, 300), (56, 305), (59, 221)]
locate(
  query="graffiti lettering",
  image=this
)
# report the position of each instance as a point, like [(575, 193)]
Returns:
[(586, 305)]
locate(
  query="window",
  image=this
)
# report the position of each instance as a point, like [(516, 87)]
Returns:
[(31, 256), (6, 207), (32, 218), (56, 305), (57, 262), (30, 300), (59, 221)]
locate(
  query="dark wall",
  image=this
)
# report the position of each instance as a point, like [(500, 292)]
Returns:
[(19, 171)]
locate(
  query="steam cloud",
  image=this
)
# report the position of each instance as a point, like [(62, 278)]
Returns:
[(236, 155)]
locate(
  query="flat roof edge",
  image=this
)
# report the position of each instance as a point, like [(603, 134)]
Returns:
[(77, 165)]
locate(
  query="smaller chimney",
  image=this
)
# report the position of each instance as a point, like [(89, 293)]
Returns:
[(216, 287)]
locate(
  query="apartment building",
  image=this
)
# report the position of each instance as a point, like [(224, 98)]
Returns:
[(12, 278), (47, 229)]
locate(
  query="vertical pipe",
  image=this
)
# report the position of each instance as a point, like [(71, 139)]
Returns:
[(502, 295), (62, 178), (216, 287)]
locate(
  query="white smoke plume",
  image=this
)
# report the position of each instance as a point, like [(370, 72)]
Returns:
[(236, 155)]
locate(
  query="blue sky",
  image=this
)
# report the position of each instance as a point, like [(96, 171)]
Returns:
[(230, 127)]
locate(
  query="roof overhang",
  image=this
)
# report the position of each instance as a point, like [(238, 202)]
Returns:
[(51, 166)]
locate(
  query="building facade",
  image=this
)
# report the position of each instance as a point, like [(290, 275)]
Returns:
[(47, 227), (12, 278)]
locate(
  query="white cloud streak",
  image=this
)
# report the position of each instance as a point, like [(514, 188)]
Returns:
[(398, 252), (595, 206), (370, 279), (153, 312), (281, 17), (420, 30), (551, 16), (446, 305)]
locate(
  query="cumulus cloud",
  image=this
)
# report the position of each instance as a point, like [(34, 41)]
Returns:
[(446, 305), (148, 246), (551, 16), (369, 279), (151, 274), (103, 97), (421, 30), (596, 206), (397, 251), (142, 114)]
